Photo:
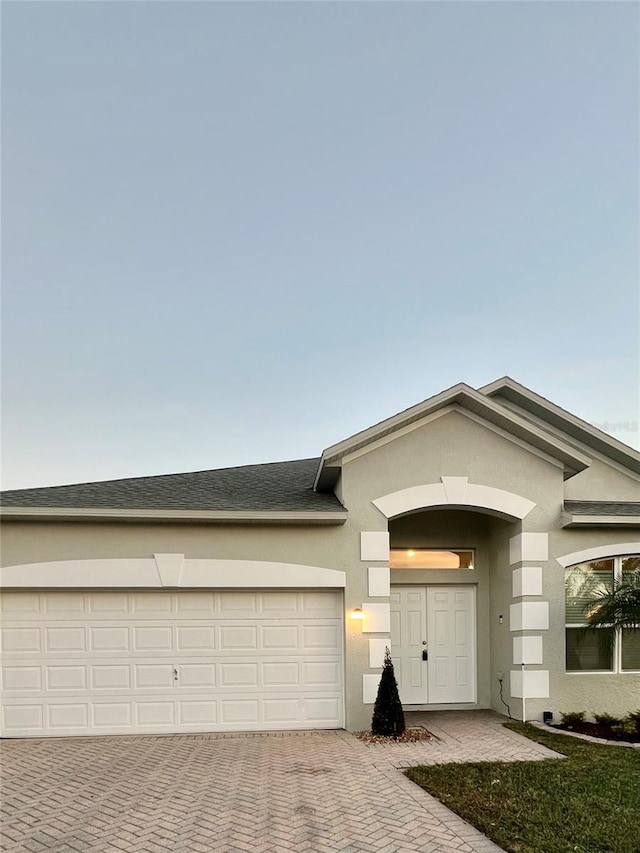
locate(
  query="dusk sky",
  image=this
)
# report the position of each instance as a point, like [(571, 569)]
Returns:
[(240, 232)]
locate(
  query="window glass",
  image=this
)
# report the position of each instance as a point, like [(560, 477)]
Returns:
[(589, 651), (630, 649), (583, 583), (428, 558), (631, 564)]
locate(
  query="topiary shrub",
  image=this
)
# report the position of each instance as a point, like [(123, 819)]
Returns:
[(388, 716)]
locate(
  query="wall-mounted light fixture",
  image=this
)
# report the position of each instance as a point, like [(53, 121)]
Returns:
[(357, 613)]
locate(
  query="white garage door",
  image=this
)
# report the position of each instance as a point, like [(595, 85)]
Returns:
[(80, 663)]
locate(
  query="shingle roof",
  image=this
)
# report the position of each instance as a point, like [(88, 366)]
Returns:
[(603, 508), (284, 486)]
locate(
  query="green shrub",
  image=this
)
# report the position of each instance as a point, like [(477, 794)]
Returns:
[(570, 718), (626, 728), (607, 720), (634, 716)]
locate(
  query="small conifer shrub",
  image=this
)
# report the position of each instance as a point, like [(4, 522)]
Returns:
[(388, 716)]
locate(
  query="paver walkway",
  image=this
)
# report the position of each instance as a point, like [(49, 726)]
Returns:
[(306, 792)]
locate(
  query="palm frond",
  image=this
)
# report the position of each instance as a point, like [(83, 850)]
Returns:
[(618, 608)]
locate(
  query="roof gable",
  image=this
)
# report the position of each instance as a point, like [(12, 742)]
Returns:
[(508, 392), (467, 398)]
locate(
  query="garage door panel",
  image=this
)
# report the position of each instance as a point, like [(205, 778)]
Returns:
[(153, 675), (19, 604), (238, 604), (112, 638), (239, 712), (111, 715), (199, 604), (320, 603), (279, 637), (19, 718), (21, 640), (239, 637), (65, 639), (280, 603), (196, 675), (15, 679), (153, 638), (321, 637), (67, 603), (281, 674), (67, 716), (110, 676), (282, 710), (239, 674), (197, 713), (106, 663), (108, 603), (158, 713), (321, 674), (69, 678), (156, 603), (198, 637)]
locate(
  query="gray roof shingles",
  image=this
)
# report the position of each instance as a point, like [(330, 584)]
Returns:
[(625, 508), (275, 486)]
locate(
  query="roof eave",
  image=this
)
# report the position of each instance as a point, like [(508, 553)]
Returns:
[(483, 406), (560, 418), (296, 517), (570, 520)]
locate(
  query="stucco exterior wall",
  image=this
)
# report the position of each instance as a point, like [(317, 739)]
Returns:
[(451, 445), (602, 482)]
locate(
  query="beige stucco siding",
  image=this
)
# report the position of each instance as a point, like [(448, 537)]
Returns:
[(602, 482), (450, 445)]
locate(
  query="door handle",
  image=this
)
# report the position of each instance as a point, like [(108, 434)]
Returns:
[(425, 654), (175, 673)]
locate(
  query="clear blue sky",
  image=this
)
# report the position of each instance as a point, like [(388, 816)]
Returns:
[(240, 232)]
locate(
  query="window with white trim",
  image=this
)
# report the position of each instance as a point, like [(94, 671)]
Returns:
[(429, 558), (603, 649)]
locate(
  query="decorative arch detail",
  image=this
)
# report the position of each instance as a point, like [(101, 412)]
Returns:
[(458, 492), (599, 553), (168, 571)]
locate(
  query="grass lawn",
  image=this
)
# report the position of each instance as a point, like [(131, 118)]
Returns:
[(588, 802)]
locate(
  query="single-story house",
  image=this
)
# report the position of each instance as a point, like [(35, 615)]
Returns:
[(464, 533)]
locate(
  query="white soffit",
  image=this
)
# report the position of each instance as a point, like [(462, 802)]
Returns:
[(454, 491), (168, 570)]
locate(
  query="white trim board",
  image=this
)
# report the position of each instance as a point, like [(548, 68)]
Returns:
[(168, 570)]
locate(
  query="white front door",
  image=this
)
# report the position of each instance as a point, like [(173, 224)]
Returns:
[(438, 620), (408, 641)]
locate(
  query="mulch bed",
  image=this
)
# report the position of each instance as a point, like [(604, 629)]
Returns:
[(410, 735), (597, 730)]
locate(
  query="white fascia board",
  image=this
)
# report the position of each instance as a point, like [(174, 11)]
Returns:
[(29, 513), (481, 405), (169, 571), (562, 414), (569, 520), (393, 423)]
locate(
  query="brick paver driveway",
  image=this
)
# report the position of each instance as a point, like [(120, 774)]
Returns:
[(308, 792)]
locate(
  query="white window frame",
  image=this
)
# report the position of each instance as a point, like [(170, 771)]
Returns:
[(433, 550), (617, 637)]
